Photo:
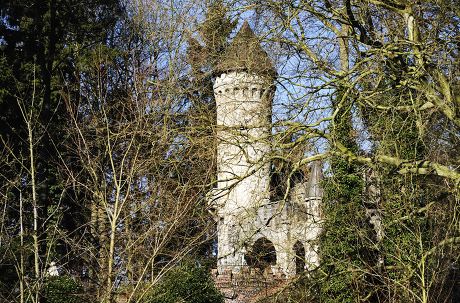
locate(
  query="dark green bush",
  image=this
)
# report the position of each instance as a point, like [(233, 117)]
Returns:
[(63, 289), (186, 283)]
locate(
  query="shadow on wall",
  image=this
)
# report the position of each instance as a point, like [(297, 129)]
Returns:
[(299, 251)]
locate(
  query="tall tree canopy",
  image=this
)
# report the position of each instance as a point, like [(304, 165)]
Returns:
[(107, 142)]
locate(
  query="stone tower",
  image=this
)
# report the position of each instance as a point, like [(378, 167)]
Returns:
[(248, 219)]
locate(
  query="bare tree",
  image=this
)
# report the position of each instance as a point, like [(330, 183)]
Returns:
[(373, 83)]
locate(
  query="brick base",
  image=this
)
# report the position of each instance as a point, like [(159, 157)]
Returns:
[(248, 286)]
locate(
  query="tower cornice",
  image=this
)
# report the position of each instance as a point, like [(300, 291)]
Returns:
[(241, 83)]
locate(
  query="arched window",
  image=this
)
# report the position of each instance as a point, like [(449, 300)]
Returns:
[(299, 252), (262, 254)]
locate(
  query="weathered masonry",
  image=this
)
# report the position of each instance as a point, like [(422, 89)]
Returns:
[(257, 233)]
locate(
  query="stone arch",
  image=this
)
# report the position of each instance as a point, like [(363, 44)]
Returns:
[(262, 254), (299, 253)]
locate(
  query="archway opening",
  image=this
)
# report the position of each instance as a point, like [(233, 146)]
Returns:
[(262, 254), (299, 252)]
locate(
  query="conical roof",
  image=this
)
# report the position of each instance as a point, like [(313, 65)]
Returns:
[(245, 53)]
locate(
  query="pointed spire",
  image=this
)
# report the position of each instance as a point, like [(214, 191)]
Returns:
[(245, 53), (245, 31), (316, 176)]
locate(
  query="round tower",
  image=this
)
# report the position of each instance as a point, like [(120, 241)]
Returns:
[(243, 89)]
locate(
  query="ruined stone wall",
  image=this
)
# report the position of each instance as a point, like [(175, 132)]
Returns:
[(243, 129), (249, 285), (245, 215)]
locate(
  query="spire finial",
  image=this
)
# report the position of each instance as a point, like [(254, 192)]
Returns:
[(245, 26)]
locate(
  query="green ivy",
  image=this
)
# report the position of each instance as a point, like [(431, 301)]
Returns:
[(347, 240)]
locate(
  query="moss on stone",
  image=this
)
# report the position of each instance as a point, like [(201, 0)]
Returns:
[(245, 53)]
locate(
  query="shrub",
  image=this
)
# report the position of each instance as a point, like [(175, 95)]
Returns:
[(63, 289), (186, 283)]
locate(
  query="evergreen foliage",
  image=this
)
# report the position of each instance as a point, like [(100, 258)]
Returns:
[(43, 43), (346, 242), (186, 283), (63, 289), (214, 33), (107, 144)]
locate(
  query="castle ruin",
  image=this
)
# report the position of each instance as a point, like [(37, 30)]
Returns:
[(257, 234)]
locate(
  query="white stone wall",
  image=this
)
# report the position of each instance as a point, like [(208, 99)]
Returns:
[(243, 131), (243, 209)]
